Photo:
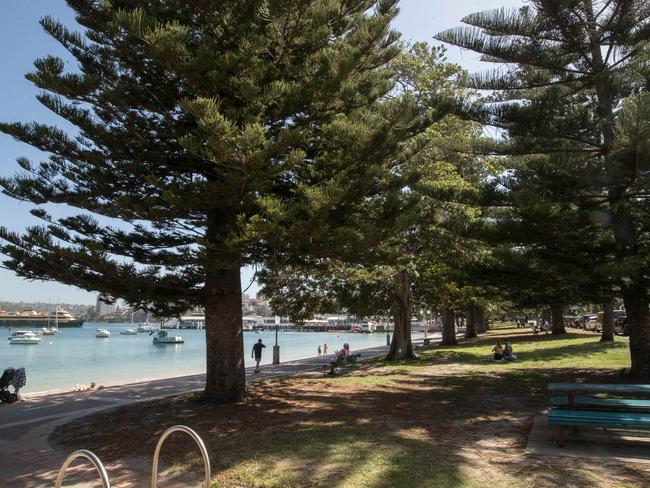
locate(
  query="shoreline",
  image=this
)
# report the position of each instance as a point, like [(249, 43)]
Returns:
[(62, 391), (132, 382), (74, 359)]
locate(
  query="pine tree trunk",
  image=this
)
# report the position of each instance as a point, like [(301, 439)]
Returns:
[(401, 347), (480, 320), (225, 373), (608, 322), (638, 319), (470, 327), (623, 226), (448, 327), (557, 319)]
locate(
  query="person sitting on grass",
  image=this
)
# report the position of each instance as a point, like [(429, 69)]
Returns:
[(508, 354), (340, 357), (497, 352)]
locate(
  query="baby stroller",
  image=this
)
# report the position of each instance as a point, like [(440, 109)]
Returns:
[(11, 377)]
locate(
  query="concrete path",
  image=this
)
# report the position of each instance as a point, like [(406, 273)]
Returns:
[(27, 460)]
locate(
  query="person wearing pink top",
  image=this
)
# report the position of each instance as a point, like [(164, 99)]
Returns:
[(340, 357)]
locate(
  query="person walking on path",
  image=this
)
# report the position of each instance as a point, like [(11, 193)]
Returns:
[(324, 349), (257, 353), (320, 353)]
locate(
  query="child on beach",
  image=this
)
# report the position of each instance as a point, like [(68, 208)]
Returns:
[(320, 353)]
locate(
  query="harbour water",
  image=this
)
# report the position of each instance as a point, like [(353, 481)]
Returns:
[(76, 356)]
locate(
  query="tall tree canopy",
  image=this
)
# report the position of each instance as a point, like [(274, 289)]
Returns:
[(573, 71), (218, 134), (396, 241)]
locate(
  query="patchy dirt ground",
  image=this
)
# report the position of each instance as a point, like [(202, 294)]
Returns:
[(422, 424)]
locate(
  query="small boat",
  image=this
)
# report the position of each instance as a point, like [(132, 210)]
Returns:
[(145, 328), (128, 332), (162, 337), (48, 331), (19, 333), (24, 337), (102, 333)]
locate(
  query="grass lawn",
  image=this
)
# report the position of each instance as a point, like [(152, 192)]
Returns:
[(447, 419)]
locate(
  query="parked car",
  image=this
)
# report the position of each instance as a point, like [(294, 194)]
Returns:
[(621, 326), (616, 314), (582, 321), (572, 321), (591, 322)]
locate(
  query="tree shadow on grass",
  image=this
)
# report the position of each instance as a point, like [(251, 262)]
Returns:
[(287, 437), (422, 431)]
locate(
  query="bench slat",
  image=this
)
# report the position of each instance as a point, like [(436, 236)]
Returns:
[(598, 418), (616, 403), (597, 388)]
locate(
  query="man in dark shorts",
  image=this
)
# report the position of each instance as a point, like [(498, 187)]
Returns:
[(257, 353)]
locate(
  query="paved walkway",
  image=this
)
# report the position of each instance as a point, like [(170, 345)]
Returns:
[(27, 460)]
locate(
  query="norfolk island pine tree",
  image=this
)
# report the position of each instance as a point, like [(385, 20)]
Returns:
[(219, 133), (572, 66), (374, 267)]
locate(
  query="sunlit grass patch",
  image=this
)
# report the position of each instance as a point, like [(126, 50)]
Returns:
[(541, 351)]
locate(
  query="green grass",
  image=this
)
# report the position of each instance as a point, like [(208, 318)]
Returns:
[(572, 350), (342, 455), (447, 419), (377, 458), (346, 457)]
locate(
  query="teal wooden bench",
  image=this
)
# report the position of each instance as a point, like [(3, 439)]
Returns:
[(573, 388), (562, 417), (588, 402), (572, 410)]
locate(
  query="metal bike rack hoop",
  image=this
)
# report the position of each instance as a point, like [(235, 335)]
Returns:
[(199, 442), (90, 456)]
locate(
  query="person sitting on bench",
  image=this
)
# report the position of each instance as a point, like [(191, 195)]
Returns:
[(340, 357)]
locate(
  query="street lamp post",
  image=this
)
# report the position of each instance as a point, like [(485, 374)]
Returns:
[(276, 348)]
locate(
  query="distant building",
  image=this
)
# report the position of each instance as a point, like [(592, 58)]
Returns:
[(103, 308)]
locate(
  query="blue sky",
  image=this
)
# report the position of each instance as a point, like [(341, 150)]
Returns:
[(22, 41)]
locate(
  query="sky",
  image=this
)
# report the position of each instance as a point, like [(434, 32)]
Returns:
[(22, 40)]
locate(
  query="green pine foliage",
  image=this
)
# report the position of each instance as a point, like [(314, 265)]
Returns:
[(572, 217), (217, 134), (408, 233)]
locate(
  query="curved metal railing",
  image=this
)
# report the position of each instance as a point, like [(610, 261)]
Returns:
[(83, 453), (199, 442)]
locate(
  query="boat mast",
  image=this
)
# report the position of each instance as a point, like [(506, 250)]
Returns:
[(49, 311)]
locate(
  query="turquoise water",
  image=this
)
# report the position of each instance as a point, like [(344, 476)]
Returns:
[(76, 356)]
